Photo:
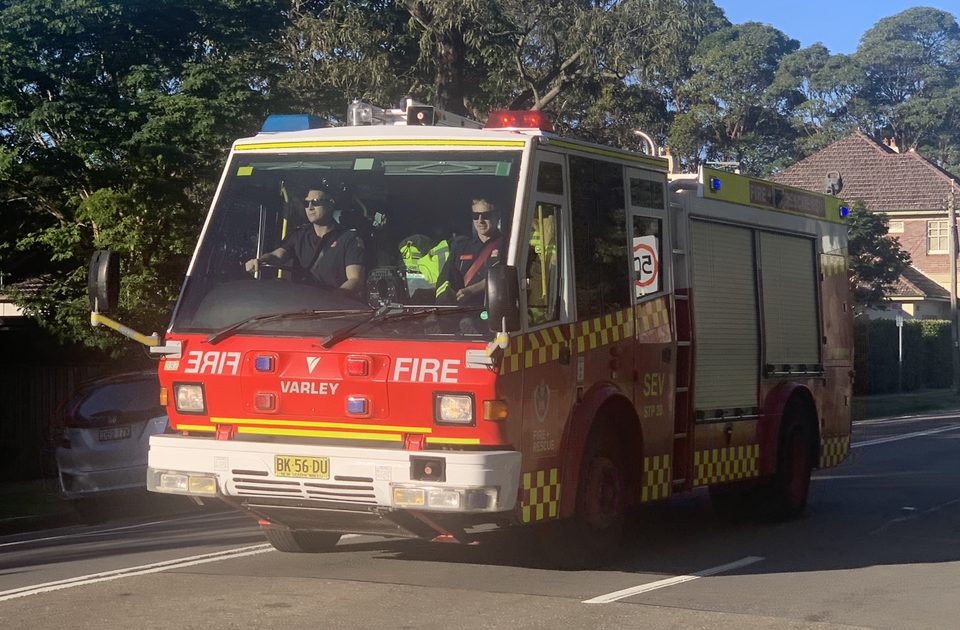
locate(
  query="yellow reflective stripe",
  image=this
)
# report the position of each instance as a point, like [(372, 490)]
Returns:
[(307, 144), (436, 440), (380, 437), (197, 427), (325, 425), (443, 287)]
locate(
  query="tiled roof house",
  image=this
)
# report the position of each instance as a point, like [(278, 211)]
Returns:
[(913, 193)]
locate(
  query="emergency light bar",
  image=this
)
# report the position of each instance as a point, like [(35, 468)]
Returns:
[(410, 113), (519, 120), (291, 122)]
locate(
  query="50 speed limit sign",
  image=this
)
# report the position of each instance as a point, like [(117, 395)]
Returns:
[(646, 264)]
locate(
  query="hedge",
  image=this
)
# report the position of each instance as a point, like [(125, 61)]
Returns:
[(927, 363)]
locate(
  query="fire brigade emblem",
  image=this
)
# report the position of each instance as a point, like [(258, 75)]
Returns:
[(541, 400)]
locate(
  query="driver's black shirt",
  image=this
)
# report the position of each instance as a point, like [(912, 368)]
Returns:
[(326, 258)]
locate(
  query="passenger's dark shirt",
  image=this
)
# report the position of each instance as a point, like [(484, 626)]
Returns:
[(327, 259), (465, 251)]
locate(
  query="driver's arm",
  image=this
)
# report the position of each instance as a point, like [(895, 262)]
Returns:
[(278, 256), (354, 278)]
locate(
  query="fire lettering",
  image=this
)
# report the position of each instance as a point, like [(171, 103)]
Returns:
[(426, 370), (212, 362)]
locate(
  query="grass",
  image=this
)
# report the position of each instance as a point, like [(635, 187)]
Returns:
[(30, 501), (907, 403)]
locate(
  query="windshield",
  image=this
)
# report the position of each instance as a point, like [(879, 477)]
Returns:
[(340, 235)]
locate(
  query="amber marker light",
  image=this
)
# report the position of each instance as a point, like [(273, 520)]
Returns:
[(495, 410), (164, 396)]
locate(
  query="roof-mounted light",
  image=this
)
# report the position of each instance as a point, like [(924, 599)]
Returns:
[(276, 123), (844, 211), (527, 119), (715, 184), (360, 114)]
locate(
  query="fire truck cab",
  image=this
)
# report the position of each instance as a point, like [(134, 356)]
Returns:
[(643, 334)]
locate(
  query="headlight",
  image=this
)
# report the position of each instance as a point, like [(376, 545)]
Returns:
[(189, 397), (453, 409)]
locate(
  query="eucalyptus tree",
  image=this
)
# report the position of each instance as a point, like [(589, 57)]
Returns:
[(820, 89), (729, 114), (911, 63)]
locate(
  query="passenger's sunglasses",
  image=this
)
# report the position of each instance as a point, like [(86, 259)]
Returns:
[(486, 216), (325, 201)]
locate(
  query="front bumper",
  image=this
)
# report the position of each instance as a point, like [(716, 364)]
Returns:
[(361, 480)]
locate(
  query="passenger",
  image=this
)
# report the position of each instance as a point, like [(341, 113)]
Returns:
[(472, 256), (331, 253)]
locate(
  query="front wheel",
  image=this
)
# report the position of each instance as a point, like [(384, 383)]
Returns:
[(592, 536), (301, 541)]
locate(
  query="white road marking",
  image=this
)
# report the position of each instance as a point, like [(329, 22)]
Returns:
[(905, 436), (912, 515), (98, 532), (145, 569), (680, 579)]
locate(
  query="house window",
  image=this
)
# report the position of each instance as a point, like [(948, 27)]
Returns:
[(937, 237)]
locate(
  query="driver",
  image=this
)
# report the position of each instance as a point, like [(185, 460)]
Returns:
[(331, 253)]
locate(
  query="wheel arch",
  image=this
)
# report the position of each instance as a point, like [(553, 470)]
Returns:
[(605, 405), (780, 404)]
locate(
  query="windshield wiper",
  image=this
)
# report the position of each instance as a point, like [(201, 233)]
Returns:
[(232, 329), (384, 314)]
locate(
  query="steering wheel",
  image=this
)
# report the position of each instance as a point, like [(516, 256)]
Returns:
[(274, 267)]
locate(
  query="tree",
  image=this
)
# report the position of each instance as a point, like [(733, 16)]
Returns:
[(819, 87), (729, 114), (111, 133), (911, 63), (876, 260)]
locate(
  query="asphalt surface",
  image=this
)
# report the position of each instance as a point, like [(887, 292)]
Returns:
[(879, 548)]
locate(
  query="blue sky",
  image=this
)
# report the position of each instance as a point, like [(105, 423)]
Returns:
[(839, 24)]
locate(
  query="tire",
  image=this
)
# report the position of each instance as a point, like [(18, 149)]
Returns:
[(301, 541), (789, 490), (591, 538)]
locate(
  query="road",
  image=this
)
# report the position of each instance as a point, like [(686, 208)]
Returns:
[(880, 548)]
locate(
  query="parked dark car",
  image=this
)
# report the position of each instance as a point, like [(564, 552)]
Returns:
[(102, 434)]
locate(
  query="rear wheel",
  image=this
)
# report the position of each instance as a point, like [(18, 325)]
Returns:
[(789, 489), (301, 541)]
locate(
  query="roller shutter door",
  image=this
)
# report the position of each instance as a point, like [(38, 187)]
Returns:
[(791, 322), (724, 292)]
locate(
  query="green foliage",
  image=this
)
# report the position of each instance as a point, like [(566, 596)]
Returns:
[(927, 363), (730, 113), (115, 117), (876, 260)]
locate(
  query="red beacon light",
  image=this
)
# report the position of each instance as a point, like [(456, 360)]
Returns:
[(526, 119)]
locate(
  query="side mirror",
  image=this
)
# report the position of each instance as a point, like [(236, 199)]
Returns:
[(103, 281), (503, 298)]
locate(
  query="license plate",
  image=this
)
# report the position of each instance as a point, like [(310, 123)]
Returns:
[(114, 433), (301, 467)]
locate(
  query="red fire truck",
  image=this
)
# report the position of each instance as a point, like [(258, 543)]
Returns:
[(643, 335)]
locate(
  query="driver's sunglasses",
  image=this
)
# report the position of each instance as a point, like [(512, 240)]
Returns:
[(323, 201), (486, 216)]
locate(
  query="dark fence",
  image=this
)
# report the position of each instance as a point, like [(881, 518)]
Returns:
[(29, 394)]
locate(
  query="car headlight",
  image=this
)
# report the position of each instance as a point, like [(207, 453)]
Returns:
[(189, 398), (453, 409)]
